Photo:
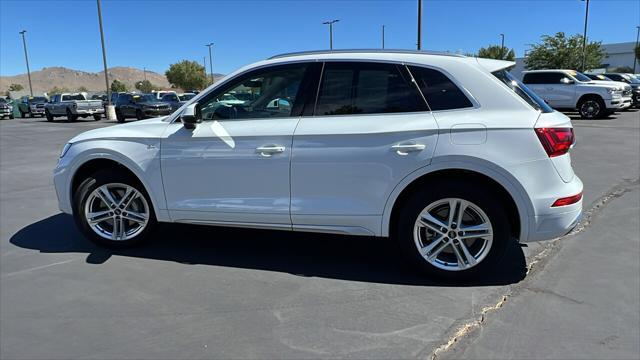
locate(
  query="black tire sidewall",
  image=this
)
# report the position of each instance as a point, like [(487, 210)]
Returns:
[(601, 113), (474, 193), (88, 186)]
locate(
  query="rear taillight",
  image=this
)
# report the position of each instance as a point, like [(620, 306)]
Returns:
[(567, 200), (556, 141)]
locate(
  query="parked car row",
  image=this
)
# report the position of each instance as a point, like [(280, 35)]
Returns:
[(593, 96)]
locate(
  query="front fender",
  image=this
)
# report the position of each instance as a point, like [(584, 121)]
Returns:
[(140, 156), (489, 169)]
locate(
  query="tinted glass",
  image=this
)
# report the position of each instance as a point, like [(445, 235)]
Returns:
[(72, 97), (366, 88), (439, 91), (273, 92), (523, 91)]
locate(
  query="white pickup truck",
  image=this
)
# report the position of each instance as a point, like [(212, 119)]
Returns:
[(73, 106), (569, 90)]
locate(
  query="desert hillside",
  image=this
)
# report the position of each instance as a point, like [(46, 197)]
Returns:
[(45, 79)]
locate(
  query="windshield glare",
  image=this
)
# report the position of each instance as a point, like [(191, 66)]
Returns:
[(579, 76), (144, 98), (523, 91), (38, 99)]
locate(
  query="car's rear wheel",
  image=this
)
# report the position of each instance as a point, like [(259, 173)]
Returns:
[(71, 116), (48, 115), (453, 230), (592, 108), (97, 117), (113, 210), (139, 114)]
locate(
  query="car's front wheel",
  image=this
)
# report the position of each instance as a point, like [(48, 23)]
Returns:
[(592, 108), (453, 230), (113, 210)]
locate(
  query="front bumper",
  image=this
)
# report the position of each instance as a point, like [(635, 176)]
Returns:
[(37, 111), (156, 112), (5, 112)]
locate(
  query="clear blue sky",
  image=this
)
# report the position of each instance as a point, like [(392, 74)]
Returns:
[(154, 34)]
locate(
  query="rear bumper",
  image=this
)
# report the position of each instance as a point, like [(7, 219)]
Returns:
[(89, 111), (153, 112), (553, 222)]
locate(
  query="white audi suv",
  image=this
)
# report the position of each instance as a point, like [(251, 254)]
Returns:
[(447, 155)]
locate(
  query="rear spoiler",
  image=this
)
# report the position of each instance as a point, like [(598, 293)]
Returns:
[(493, 65)]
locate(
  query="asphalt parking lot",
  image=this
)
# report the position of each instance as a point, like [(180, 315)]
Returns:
[(202, 292)]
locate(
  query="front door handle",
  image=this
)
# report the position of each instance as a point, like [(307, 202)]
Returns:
[(268, 150), (405, 149)]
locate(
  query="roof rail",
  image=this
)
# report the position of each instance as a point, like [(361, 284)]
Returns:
[(378, 51)]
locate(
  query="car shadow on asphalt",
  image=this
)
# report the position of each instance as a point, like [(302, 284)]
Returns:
[(354, 258)]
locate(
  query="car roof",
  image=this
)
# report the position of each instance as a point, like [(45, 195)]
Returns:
[(364, 51), (547, 70)]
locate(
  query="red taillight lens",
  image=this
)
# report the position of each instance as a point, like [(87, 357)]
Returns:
[(556, 141), (567, 200)]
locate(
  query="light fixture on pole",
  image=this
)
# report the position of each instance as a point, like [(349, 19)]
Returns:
[(26, 58), (419, 43), (635, 58), (584, 37), (111, 111), (330, 23), (209, 45)]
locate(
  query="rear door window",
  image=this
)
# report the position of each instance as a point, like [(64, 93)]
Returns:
[(366, 88), (439, 91)]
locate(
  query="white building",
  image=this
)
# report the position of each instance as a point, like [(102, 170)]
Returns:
[(617, 54)]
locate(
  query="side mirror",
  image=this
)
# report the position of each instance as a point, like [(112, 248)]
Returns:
[(190, 116), (566, 81)]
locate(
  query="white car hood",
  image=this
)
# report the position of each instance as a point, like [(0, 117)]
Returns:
[(150, 128)]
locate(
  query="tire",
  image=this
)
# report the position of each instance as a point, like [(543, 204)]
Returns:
[(70, 116), (120, 117), (139, 115), (484, 252), (11, 116), (592, 108), (97, 117), (22, 115), (48, 115), (103, 232)]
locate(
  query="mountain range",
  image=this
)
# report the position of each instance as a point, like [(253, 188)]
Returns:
[(61, 77)]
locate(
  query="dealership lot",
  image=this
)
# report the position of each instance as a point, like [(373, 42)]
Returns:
[(199, 292)]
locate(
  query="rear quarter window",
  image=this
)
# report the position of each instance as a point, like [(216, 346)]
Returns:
[(439, 91)]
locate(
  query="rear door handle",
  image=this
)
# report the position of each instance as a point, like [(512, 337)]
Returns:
[(404, 149), (268, 150)]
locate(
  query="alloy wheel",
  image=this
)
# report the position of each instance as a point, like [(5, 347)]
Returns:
[(116, 211), (590, 109), (453, 234)]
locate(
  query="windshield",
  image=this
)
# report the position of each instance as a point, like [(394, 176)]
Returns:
[(73, 97), (579, 76), (186, 97), (524, 92), (144, 98), (38, 99), (632, 79)]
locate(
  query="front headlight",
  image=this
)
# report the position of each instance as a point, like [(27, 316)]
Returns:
[(66, 148)]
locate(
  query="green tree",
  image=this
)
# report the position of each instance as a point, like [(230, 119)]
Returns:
[(497, 52), (118, 86), (146, 86), (562, 52), (15, 87), (187, 75), (57, 90), (82, 89)]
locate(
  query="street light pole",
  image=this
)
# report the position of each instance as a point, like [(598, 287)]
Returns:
[(209, 45), (26, 58), (330, 23), (635, 59), (584, 38), (419, 43), (144, 69), (104, 56), (502, 44), (383, 36)]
